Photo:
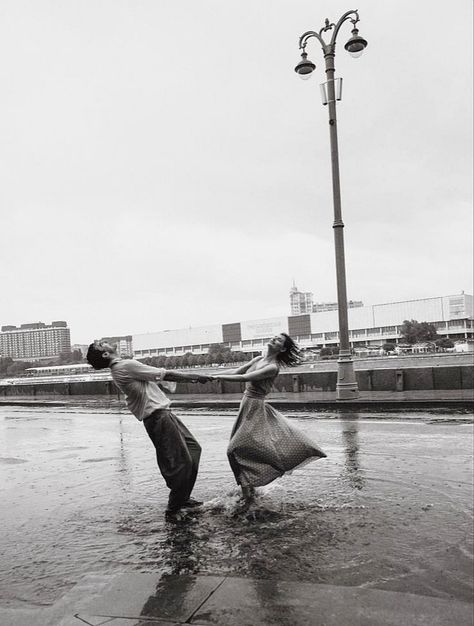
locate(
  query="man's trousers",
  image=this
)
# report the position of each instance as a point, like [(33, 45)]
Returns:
[(177, 454)]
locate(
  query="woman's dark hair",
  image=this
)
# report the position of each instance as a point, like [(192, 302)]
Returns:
[(95, 358), (292, 354)]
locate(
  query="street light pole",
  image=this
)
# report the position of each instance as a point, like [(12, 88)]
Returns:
[(346, 388)]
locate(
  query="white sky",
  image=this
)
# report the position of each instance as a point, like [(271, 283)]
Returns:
[(163, 166)]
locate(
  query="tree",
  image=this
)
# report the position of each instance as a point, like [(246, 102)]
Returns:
[(325, 352), (171, 362), (5, 363), (77, 356), (220, 357), (187, 359), (388, 347), (444, 342), (17, 367), (215, 348), (413, 331), (64, 358)]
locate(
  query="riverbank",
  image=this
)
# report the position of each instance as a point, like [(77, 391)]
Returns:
[(422, 373)]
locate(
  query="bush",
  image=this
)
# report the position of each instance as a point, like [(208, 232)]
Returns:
[(325, 352)]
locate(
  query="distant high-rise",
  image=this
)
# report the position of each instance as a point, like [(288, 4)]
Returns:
[(300, 302), (35, 341)]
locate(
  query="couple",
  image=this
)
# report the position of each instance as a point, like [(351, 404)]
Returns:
[(263, 444)]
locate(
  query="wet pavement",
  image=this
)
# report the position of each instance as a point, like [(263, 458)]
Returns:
[(389, 510)]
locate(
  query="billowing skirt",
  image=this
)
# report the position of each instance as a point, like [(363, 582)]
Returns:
[(264, 444)]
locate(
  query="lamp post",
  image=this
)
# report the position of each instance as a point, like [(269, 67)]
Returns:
[(346, 388)]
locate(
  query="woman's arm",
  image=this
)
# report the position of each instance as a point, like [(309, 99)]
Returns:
[(261, 374)]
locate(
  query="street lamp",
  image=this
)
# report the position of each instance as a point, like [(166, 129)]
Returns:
[(346, 388)]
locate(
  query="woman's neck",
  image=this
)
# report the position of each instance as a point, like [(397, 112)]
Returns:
[(270, 357)]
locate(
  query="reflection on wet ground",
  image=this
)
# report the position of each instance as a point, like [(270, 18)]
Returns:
[(390, 508)]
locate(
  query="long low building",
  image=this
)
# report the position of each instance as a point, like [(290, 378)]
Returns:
[(368, 325)]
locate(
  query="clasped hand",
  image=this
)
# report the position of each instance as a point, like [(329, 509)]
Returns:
[(201, 378)]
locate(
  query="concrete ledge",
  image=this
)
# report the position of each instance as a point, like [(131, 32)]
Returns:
[(309, 400)]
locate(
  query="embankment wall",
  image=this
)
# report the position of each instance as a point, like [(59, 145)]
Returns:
[(408, 379)]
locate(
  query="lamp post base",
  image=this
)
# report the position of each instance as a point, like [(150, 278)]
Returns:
[(346, 388)]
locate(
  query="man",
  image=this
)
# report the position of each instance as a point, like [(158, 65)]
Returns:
[(177, 452)]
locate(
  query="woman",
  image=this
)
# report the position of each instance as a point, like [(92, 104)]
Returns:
[(264, 445)]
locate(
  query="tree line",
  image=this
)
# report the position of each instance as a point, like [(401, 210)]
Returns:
[(216, 355), (9, 367)]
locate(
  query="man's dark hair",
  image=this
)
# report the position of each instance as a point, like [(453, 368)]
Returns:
[(292, 354), (96, 359)]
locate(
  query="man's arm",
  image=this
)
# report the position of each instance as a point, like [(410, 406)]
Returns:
[(140, 371), (192, 377)]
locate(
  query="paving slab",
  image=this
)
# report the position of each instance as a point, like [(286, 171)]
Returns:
[(142, 599), (21, 617), (243, 602), (164, 596)]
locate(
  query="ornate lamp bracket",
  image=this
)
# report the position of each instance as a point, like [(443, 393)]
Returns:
[(328, 47)]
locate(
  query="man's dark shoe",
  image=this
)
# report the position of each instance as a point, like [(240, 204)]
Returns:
[(189, 504), (192, 503), (169, 511)]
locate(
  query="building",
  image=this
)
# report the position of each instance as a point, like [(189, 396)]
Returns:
[(124, 344), (82, 347), (301, 302), (35, 341), (370, 325), (320, 307)]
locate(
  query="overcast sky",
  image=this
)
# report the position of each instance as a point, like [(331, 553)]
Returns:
[(163, 166)]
